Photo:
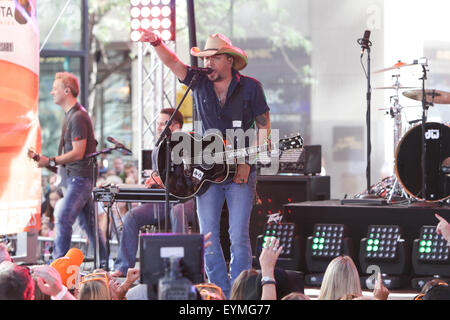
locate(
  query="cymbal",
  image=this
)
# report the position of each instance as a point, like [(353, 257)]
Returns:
[(395, 88), (432, 96), (398, 65)]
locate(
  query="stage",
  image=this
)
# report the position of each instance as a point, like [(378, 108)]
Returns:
[(358, 217), (410, 217)]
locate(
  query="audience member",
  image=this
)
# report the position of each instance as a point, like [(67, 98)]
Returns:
[(119, 168), (341, 278), (49, 281), (68, 266), (438, 292), (95, 286), (428, 286), (4, 254), (269, 283), (210, 291), (16, 282), (295, 296), (131, 174), (47, 217)]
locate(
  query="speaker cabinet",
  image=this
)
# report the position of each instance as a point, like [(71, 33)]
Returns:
[(275, 191)]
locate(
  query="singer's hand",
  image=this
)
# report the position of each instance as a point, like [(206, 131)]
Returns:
[(148, 35)]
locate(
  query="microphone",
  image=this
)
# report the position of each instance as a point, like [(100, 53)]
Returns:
[(201, 70), (364, 42), (125, 150)]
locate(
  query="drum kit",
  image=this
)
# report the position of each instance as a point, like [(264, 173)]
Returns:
[(424, 142)]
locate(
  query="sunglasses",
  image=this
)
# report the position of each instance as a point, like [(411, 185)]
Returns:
[(203, 289), (95, 277), (421, 295)]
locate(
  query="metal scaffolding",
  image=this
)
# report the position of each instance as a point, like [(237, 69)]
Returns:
[(156, 90)]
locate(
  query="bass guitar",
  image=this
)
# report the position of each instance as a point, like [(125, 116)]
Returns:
[(207, 160)]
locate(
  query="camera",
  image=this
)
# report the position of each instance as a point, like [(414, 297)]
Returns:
[(173, 286)]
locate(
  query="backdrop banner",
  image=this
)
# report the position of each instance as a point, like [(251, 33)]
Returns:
[(20, 179)]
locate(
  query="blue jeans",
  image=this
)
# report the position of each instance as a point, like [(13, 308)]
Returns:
[(147, 214), (209, 207), (76, 203)]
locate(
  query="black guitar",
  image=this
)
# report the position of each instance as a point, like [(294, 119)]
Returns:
[(205, 162)]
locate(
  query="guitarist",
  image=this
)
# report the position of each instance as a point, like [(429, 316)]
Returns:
[(77, 140), (224, 99)]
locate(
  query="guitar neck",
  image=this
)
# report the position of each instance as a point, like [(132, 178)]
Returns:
[(246, 152)]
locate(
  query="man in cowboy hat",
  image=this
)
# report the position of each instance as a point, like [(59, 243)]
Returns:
[(224, 99)]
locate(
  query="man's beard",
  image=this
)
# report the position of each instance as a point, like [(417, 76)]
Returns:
[(215, 78)]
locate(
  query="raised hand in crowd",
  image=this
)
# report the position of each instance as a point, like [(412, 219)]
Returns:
[(267, 260), (443, 227), (132, 275), (380, 292), (49, 281), (4, 254)]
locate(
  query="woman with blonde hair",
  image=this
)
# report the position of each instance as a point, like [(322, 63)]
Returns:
[(341, 278), (94, 286)]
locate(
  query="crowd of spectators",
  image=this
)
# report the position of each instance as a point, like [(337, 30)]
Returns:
[(62, 281)]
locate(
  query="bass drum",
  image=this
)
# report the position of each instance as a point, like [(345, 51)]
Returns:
[(408, 162)]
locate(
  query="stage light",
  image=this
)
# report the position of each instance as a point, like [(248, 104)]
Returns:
[(135, 24), (145, 12), (384, 249), (286, 233), (382, 242), (282, 231), (159, 16), (156, 23), (430, 257), (432, 247), (327, 242)]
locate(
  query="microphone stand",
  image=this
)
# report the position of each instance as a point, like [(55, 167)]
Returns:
[(166, 134), (97, 262), (424, 120), (368, 97), (367, 198)]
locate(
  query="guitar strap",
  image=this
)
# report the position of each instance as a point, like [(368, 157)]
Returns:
[(236, 106), (62, 169), (64, 128)]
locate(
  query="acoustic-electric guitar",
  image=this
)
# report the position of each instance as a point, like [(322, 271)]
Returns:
[(188, 175)]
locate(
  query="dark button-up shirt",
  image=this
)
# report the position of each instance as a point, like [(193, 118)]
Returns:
[(213, 116)]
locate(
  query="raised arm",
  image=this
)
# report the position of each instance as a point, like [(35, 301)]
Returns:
[(167, 56)]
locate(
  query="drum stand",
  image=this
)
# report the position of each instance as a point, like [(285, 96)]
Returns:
[(396, 113)]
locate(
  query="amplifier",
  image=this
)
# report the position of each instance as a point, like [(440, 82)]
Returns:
[(302, 161)]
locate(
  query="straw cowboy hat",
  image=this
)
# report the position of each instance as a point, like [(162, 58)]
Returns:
[(216, 44)]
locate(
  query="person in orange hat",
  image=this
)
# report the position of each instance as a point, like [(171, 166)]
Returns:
[(227, 102), (68, 266)]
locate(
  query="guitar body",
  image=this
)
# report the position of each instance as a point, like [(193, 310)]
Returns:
[(187, 178), (195, 163)]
